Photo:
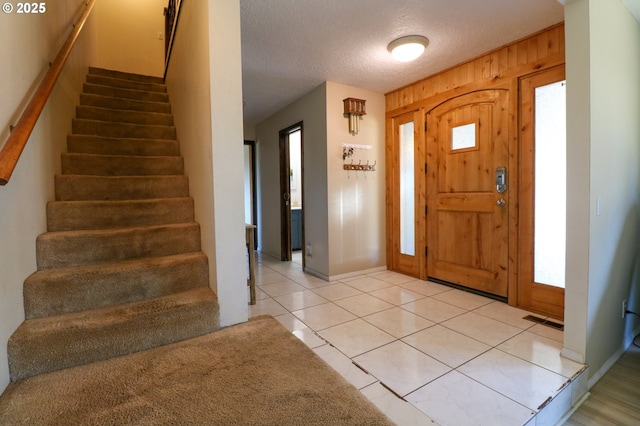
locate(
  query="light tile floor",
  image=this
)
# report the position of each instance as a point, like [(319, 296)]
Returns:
[(424, 353)]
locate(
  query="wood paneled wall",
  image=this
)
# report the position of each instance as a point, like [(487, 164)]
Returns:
[(539, 51), (500, 68)]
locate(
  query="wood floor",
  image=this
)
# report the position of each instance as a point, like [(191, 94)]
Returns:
[(615, 399)]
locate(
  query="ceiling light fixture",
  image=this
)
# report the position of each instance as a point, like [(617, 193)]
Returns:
[(408, 48)]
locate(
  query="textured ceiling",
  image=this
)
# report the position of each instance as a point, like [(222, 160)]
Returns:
[(289, 47)]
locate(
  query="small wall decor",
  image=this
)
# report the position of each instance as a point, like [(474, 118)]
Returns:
[(348, 150), (354, 109), (363, 167)]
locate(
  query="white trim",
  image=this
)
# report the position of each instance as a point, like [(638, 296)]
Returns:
[(613, 359), (572, 355), (316, 274), (357, 273)]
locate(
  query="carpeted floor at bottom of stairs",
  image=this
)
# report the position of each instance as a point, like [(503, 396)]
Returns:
[(255, 373)]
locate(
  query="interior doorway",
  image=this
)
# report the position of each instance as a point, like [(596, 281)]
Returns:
[(291, 190), (541, 275), (250, 208)]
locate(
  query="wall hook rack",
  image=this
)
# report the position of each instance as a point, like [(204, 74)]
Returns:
[(362, 167)]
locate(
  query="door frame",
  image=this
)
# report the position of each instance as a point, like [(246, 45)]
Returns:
[(407, 264), (254, 192), (286, 251)]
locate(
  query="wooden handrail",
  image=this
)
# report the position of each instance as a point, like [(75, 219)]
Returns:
[(172, 14), (19, 136)]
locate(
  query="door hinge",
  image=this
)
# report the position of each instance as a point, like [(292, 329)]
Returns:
[(425, 168), (425, 126), (426, 251), (426, 210)]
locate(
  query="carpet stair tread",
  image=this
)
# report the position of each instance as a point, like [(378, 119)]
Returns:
[(72, 248), (85, 187), (61, 341), (125, 75), (92, 144), (61, 290), (126, 84), (85, 215), (123, 116), (121, 165), (82, 126), (88, 99), (118, 92)]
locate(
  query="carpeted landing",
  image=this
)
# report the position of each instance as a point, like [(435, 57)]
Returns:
[(255, 373)]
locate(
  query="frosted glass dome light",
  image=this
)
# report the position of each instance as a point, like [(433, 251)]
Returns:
[(409, 48)]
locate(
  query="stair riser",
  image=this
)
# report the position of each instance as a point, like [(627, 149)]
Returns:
[(116, 92), (124, 104), (60, 291), (98, 165), (125, 84), (125, 76), (64, 249), (73, 187), (88, 144), (38, 347), (122, 130), (123, 116), (85, 215)]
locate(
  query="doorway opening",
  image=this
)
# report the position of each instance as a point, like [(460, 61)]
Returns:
[(291, 190), (250, 207)]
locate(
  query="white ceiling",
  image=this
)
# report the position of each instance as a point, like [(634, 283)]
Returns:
[(289, 47)]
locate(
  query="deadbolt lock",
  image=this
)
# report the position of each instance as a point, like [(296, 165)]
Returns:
[(501, 179)]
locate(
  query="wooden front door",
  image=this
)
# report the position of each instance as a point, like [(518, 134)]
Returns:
[(468, 191)]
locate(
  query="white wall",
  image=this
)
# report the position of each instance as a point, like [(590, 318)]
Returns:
[(204, 84), (127, 35), (343, 211), (29, 42), (356, 200), (604, 141), (310, 110)]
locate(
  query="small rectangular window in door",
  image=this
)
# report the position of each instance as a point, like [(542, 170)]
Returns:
[(463, 137)]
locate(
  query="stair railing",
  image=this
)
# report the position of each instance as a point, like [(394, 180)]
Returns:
[(20, 133), (171, 15)]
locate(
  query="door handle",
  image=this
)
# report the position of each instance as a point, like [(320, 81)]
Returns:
[(501, 179), (285, 197)]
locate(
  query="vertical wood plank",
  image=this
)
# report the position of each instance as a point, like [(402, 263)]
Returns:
[(523, 50)]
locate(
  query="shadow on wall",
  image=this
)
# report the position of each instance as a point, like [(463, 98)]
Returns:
[(623, 283), (632, 322)]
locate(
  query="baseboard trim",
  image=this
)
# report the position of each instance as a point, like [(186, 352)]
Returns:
[(316, 274), (572, 355), (613, 358), (357, 273)]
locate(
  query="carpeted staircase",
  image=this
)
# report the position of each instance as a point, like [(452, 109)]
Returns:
[(120, 269)]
